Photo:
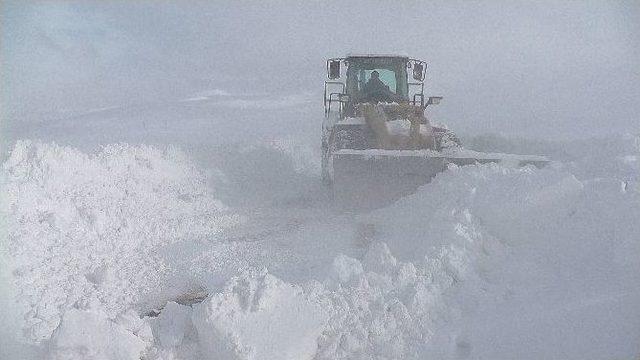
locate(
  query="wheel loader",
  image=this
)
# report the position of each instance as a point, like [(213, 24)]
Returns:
[(377, 143)]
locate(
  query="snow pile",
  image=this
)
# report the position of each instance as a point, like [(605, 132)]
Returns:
[(90, 334), (483, 262), (374, 308), (172, 325), (82, 226), (515, 206), (258, 317), (483, 247), (524, 243), (612, 156), (382, 308)]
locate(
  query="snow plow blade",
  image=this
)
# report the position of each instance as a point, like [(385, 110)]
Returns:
[(367, 179)]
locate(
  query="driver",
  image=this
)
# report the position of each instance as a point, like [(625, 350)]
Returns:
[(377, 90)]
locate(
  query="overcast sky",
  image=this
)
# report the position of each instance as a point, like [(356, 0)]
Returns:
[(542, 68)]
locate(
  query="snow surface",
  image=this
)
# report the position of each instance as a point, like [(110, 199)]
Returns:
[(258, 317), (112, 235), (94, 225), (160, 193), (90, 334)]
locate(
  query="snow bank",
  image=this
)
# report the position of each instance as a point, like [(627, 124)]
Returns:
[(492, 204), (82, 226), (376, 307), (89, 334), (483, 262), (172, 325), (612, 156), (381, 308), (371, 308), (513, 250), (525, 244), (258, 317)]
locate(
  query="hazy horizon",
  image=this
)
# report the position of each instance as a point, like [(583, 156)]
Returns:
[(538, 69)]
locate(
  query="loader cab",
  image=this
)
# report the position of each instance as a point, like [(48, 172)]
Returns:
[(349, 76)]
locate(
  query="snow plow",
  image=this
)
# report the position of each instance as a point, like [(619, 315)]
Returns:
[(376, 139)]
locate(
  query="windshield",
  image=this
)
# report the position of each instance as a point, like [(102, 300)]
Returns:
[(391, 72)]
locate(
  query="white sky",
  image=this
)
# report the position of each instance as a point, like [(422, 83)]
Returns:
[(543, 68)]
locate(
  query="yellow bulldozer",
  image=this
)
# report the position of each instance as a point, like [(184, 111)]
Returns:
[(377, 142)]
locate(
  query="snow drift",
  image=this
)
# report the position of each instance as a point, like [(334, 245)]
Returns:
[(83, 225), (90, 334), (258, 317), (535, 254), (483, 262)]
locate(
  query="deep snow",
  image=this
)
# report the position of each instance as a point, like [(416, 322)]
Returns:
[(160, 195), (116, 219)]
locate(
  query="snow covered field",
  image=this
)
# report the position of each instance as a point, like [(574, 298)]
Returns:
[(112, 233), (160, 192)]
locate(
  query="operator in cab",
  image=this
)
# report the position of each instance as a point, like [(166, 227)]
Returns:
[(377, 91)]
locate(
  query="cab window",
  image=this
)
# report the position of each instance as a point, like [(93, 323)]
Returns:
[(388, 77), (393, 73)]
